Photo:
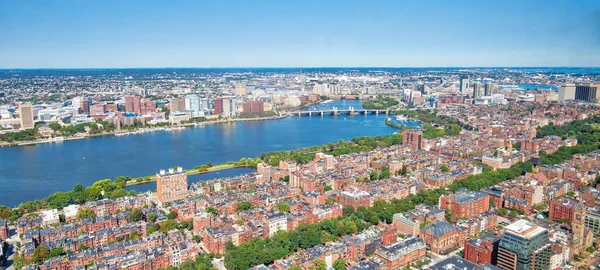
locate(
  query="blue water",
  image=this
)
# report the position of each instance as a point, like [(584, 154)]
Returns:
[(33, 172), (537, 86)]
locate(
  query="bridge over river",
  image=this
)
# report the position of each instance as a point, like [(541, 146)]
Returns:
[(336, 111)]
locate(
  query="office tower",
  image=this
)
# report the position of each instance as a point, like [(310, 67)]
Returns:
[(240, 89), (321, 89), (414, 138), (566, 92), (177, 105), (132, 104), (490, 88), (586, 92), (464, 85), (26, 116), (524, 245), (225, 106), (192, 103), (335, 89), (171, 185), (76, 103), (421, 88), (477, 90), (85, 107)]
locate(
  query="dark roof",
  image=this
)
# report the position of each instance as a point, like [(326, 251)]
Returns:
[(440, 228)]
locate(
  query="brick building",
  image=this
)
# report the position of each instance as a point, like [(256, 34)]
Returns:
[(402, 252), (562, 209), (413, 138), (440, 236), (132, 104), (171, 185), (3, 230), (466, 204), (253, 106), (482, 250)]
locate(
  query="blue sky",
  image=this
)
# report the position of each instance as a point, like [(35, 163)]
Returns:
[(288, 33)]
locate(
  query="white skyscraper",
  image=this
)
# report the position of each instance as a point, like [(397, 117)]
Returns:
[(192, 103), (566, 92)]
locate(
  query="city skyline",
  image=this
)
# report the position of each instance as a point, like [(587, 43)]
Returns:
[(70, 34)]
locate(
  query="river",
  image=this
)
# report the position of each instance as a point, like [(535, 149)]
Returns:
[(34, 172)]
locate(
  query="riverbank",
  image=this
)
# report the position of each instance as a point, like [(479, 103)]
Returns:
[(152, 178), (139, 131)]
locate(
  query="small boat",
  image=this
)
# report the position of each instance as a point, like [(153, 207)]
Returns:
[(401, 118)]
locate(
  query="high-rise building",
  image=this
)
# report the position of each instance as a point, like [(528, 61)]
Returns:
[(566, 92), (579, 92), (335, 89), (592, 220), (421, 88), (171, 185), (477, 90), (148, 106), (321, 89), (414, 138), (490, 88), (85, 107), (177, 105), (132, 104), (587, 92), (225, 106), (26, 116), (524, 245), (192, 103), (464, 85), (253, 106)]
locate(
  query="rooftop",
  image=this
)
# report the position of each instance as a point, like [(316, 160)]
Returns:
[(525, 228)]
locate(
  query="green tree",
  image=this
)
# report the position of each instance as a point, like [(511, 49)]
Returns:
[(212, 211), (283, 207), (172, 215), (444, 168), (196, 238), (56, 252), (40, 254), (243, 206), (85, 213), (136, 215), (320, 265), (152, 217), (339, 264)]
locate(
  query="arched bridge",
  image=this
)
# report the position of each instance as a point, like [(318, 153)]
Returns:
[(336, 111)]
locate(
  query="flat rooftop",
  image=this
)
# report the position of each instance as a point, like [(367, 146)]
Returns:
[(525, 228)]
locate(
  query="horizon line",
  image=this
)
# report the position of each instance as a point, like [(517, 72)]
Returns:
[(288, 67)]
